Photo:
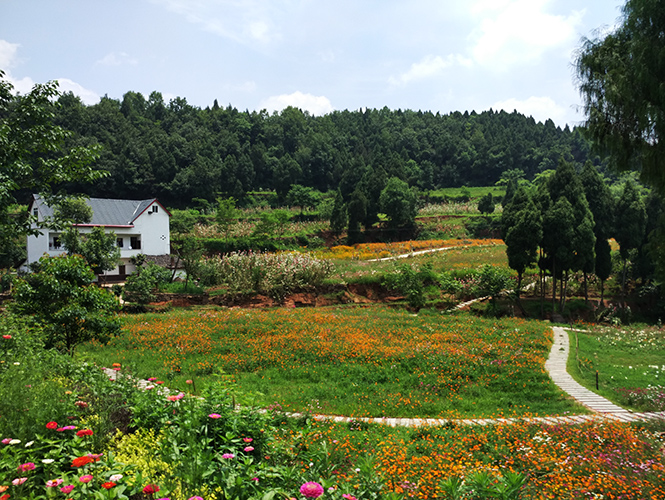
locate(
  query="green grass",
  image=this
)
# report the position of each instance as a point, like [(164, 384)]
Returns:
[(476, 192), (355, 361), (628, 361)]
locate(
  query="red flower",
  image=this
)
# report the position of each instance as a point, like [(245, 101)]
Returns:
[(52, 425), (81, 461), (108, 485), (5, 496), (84, 432), (149, 489), (7, 337)]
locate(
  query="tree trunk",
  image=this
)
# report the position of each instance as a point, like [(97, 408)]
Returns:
[(519, 287), (586, 290), (602, 293), (564, 292), (623, 284), (553, 285)]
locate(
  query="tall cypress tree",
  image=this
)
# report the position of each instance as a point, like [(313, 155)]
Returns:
[(630, 226)]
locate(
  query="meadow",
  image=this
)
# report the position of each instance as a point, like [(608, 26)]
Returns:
[(630, 361), (352, 361)]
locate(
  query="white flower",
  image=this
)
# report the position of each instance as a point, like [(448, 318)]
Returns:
[(27, 445), (115, 477), (16, 363), (15, 441), (47, 460)]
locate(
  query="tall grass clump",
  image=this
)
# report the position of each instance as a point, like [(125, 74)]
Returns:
[(273, 274)]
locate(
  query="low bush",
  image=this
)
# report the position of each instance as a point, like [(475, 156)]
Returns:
[(274, 274)]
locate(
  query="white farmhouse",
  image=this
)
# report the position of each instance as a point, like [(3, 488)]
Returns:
[(140, 226)]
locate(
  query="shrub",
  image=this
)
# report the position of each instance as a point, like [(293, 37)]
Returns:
[(275, 274)]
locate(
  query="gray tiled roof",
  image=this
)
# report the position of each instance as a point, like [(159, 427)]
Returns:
[(106, 212)]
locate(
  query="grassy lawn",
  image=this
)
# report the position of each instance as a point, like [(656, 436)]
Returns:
[(373, 361), (630, 361)]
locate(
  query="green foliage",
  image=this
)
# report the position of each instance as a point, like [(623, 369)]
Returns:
[(338, 216), (35, 156), (624, 103), (492, 280), (97, 247), (398, 201), (303, 197), (183, 221), (61, 296), (189, 251), (274, 274), (484, 485), (226, 214), (486, 204), (73, 210), (271, 223), (141, 285)]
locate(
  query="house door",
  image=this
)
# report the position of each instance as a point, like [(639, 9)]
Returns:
[(122, 271)]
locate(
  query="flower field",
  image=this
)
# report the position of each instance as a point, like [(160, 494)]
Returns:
[(351, 361), (588, 461), (367, 251)]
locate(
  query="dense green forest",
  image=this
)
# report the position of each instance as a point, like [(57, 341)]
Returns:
[(178, 152)]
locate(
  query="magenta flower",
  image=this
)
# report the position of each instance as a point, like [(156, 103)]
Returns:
[(152, 379), (228, 455), (346, 496), (66, 428), (86, 478), (19, 480), (311, 490), (52, 483), (6, 441), (26, 467), (175, 397), (67, 489), (195, 498), (215, 415), (247, 440), (249, 448)]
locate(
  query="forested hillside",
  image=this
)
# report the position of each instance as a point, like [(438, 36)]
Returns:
[(178, 152)]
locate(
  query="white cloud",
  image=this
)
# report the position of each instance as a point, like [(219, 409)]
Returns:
[(520, 31), (7, 54), (540, 108), (243, 21), (316, 105), (87, 96), (430, 66), (117, 59)]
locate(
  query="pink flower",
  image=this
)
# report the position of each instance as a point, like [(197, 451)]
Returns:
[(247, 440), (215, 415), (195, 498), (346, 496), (26, 467), (85, 479), (228, 455), (311, 490), (67, 489), (152, 379), (249, 448), (149, 489), (95, 456), (19, 480), (66, 428), (176, 397), (190, 382), (6, 441), (52, 483), (255, 479)]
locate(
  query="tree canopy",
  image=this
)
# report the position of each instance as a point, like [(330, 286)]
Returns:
[(621, 75)]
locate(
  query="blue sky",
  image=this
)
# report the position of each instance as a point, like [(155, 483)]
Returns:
[(319, 55)]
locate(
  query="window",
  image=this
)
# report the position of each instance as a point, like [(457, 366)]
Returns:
[(120, 243), (35, 211), (155, 209), (135, 243), (56, 242)]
